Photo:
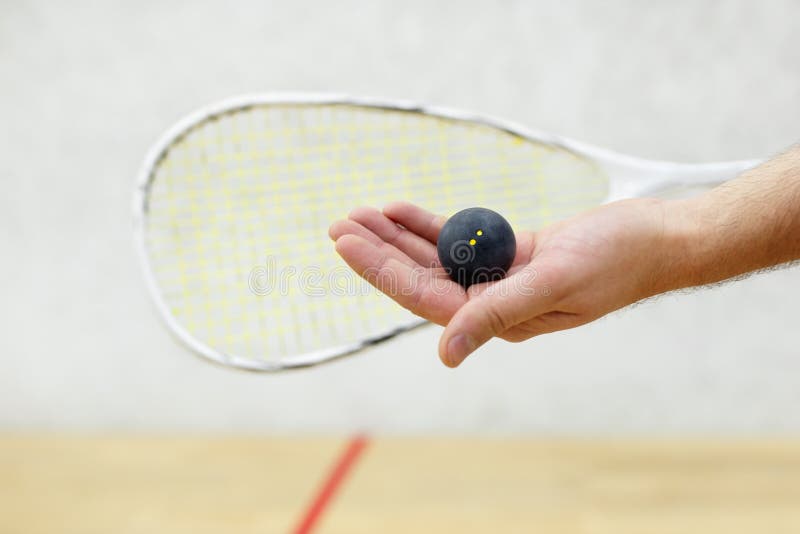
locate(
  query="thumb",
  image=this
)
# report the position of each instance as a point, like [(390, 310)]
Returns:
[(499, 307)]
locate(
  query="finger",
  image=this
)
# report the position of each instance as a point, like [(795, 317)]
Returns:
[(345, 227), (432, 298), (543, 324), (415, 247), (491, 313), (419, 221)]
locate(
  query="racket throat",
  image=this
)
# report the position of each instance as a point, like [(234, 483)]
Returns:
[(661, 178)]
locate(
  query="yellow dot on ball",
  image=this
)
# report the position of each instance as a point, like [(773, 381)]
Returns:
[(472, 241), (479, 232)]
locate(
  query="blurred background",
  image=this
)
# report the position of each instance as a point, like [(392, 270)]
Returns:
[(87, 87)]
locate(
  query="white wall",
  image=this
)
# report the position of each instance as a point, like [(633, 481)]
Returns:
[(85, 90)]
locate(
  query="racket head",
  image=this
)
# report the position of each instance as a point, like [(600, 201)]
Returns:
[(246, 189)]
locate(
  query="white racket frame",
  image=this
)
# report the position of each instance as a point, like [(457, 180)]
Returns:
[(629, 176)]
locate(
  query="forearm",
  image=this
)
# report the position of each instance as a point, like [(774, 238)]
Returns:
[(747, 224)]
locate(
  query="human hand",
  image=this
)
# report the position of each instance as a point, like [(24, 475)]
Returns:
[(563, 276)]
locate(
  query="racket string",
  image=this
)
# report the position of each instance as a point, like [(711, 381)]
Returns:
[(259, 187)]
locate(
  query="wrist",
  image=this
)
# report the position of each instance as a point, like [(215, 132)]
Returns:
[(683, 245)]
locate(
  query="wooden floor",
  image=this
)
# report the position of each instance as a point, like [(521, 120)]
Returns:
[(122, 485)]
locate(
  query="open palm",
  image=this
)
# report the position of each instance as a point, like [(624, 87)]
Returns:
[(563, 276)]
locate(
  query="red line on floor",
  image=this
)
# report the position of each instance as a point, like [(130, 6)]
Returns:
[(344, 464)]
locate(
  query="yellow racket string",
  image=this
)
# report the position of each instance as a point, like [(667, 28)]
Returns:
[(246, 198)]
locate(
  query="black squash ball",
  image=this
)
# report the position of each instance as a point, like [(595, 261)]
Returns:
[(476, 245)]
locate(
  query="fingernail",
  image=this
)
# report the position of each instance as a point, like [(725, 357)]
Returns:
[(459, 347)]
